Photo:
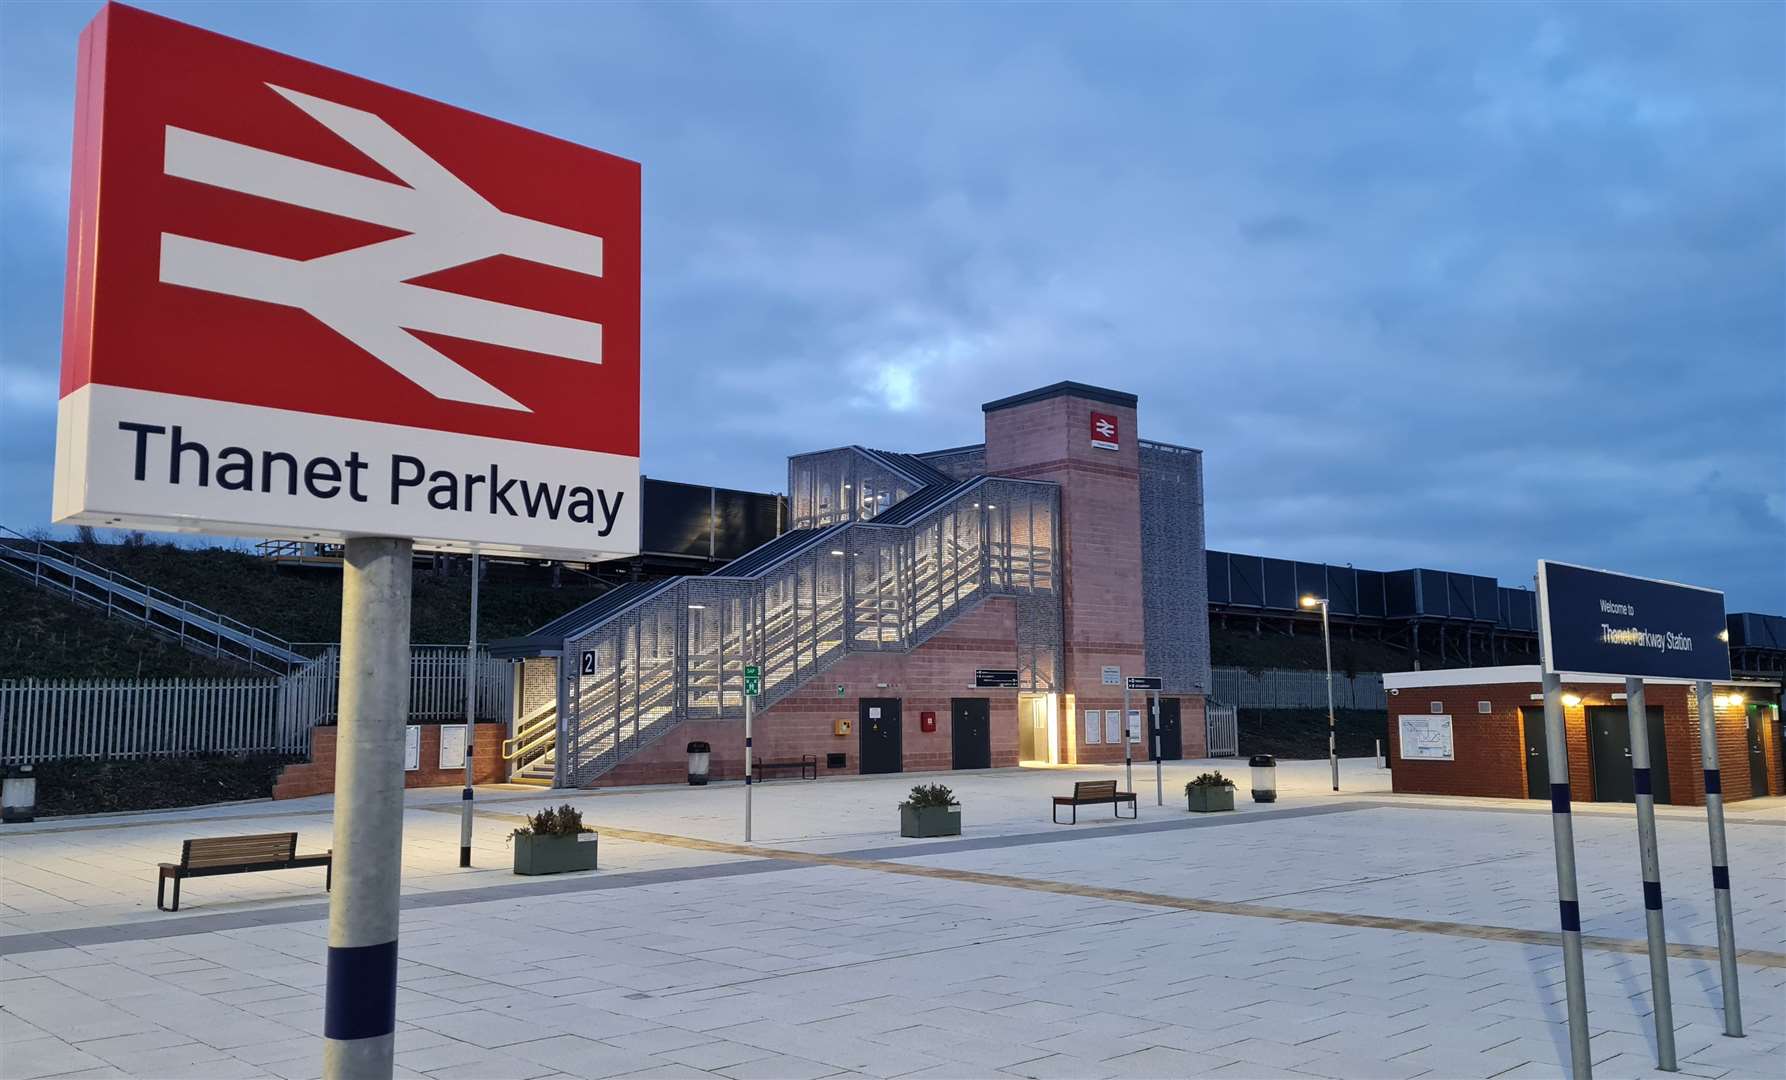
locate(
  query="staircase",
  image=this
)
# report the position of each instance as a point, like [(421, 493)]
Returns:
[(649, 656), (52, 567)]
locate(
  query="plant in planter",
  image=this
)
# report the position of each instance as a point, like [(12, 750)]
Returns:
[(1209, 792), (554, 841), (930, 810)]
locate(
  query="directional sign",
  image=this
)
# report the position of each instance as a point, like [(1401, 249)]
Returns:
[(303, 305), (753, 680), (998, 678), (1600, 623), (1144, 682)]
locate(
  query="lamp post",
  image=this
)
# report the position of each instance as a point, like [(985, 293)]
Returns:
[(1327, 647)]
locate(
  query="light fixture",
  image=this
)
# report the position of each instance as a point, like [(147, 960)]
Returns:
[(1571, 700), (697, 607), (992, 506), (1311, 601), (1724, 636), (834, 551), (1732, 700)]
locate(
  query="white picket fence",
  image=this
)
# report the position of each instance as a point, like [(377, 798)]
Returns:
[(47, 719)]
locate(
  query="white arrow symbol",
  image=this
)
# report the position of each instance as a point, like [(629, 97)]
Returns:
[(362, 293)]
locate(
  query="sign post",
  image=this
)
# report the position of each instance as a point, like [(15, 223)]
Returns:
[(1714, 819), (281, 322), (1149, 685), (1594, 622), (753, 685), (471, 722), (1128, 744)]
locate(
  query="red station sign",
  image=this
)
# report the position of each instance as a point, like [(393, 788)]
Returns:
[(301, 304)]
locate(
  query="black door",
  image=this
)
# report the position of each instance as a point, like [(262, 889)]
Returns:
[(1171, 733), (971, 717), (1537, 755), (1757, 717), (878, 723), (1609, 745)]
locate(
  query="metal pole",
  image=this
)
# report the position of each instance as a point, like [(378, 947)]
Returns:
[(1652, 874), (360, 996), (1128, 764), (1159, 780), (748, 709), (1332, 738), (1562, 828), (471, 721), (1714, 819)]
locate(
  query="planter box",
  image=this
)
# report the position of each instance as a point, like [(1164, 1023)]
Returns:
[(1204, 800), (554, 854), (929, 821)]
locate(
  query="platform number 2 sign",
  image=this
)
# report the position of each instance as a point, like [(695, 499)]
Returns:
[(586, 665)]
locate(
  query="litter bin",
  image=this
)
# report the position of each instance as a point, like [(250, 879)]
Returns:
[(700, 761), (18, 794), (1264, 778)]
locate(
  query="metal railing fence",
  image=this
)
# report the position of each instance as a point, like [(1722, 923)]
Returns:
[(1222, 726), (1297, 689)]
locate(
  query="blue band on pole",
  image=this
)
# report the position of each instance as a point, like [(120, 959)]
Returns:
[(1721, 877), (361, 998), (1559, 798), (747, 740), (1571, 914), (465, 795), (1652, 895), (1640, 781), (1713, 785)]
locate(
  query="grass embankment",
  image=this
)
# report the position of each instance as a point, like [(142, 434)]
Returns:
[(101, 787)]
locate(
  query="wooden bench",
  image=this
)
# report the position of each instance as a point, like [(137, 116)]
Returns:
[(808, 765), (210, 856), (1093, 793)]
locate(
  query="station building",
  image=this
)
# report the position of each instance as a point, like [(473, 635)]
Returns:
[(1480, 731), (1062, 548)]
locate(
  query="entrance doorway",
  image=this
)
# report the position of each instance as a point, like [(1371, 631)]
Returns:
[(1033, 742), (882, 746), (1609, 748), (1757, 717), (971, 719), (1537, 754), (1171, 732)]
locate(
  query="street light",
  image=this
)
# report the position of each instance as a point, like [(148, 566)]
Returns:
[(1327, 647)]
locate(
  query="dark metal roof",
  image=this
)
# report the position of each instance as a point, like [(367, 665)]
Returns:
[(912, 506), (551, 637), (783, 546), (1063, 389)]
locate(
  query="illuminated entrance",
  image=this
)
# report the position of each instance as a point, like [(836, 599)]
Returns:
[(1036, 741)]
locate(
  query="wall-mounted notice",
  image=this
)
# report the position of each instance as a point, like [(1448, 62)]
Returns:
[(412, 748), (1113, 726), (1426, 738), (1094, 727), (452, 746), (1134, 725)]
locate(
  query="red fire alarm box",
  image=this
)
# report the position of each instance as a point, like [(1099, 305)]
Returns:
[(926, 721)]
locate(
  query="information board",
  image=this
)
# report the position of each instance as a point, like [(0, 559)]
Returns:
[(1427, 738), (1600, 623), (452, 746)]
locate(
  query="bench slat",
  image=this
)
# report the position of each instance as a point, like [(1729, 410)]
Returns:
[(235, 850)]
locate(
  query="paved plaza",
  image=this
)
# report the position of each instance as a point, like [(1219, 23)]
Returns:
[(1362, 934)]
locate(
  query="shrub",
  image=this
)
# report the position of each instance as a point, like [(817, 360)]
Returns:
[(1206, 780), (566, 820), (927, 795)]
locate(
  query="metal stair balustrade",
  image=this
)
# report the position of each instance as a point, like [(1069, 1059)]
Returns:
[(51, 567), (676, 652)]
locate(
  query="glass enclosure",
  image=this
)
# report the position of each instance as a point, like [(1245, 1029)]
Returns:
[(855, 587)]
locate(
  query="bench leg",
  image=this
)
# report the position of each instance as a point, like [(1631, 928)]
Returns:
[(1134, 810), (161, 893), (176, 906), (328, 877)]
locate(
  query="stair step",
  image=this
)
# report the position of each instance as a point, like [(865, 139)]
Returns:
[(531, 781)]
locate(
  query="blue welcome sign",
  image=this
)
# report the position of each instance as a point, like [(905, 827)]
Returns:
[(1600, 623)]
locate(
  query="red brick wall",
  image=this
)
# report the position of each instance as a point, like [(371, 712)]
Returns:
[(317, 776), (1490, 749), (802, 723), (1100, 543)]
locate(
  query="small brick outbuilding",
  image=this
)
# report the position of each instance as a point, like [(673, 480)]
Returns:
[(1480, 732)]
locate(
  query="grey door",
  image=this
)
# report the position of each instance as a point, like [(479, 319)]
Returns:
[(971, 719), (1171, 731), (878, 723), (1537, 754), (1609, 745), (1757, 717)]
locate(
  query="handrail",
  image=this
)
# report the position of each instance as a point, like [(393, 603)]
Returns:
[(542, 717)]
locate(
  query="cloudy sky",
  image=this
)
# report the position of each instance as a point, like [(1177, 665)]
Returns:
[(1440, 285)]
